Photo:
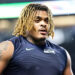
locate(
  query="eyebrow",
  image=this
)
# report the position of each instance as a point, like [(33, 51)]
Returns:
[(46, 18), (38, 17)]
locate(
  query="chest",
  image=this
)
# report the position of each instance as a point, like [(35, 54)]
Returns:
[(31, 58)]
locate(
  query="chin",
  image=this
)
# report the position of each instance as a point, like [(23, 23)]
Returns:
[(42, 38)]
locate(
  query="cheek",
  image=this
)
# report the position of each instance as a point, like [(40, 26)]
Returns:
[(36, 27)]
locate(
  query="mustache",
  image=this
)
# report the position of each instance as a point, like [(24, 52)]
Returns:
[(43, 29)]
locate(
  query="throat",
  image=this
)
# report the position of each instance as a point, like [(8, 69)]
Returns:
[(36, 41)]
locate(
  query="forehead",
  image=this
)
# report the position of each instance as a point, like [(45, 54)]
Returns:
[(41, 13)]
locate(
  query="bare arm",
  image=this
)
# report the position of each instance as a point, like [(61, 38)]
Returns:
[(6, 52), (68, 69)]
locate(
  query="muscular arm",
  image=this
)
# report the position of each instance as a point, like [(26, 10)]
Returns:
[(68, 69), (6, 52)]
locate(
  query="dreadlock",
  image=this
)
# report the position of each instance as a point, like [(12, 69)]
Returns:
[(27, 17)]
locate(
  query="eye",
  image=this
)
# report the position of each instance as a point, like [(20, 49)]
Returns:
[(37, 20), (46, 20)]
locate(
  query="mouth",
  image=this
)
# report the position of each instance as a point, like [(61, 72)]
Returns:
[(43, 31)]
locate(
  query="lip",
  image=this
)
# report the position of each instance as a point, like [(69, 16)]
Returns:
[(43, 32)]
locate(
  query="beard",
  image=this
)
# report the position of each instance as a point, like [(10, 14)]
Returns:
[(38, 41)]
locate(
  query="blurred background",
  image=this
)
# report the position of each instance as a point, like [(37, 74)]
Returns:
[(63, 16)]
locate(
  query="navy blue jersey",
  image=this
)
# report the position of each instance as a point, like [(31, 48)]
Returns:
[(31, 59)]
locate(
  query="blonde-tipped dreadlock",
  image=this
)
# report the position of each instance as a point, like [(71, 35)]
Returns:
[(26, 19)]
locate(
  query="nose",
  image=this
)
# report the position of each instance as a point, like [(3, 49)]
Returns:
[(43, 24)]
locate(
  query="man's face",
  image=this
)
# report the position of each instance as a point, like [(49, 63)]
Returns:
[(41, 27)]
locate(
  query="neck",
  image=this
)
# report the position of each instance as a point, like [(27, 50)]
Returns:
[(36, 41)]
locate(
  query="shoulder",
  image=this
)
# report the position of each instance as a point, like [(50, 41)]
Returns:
[(15, 38), (6, 50), (58, 49), (6, 45), (55, 46), (16, 41)]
